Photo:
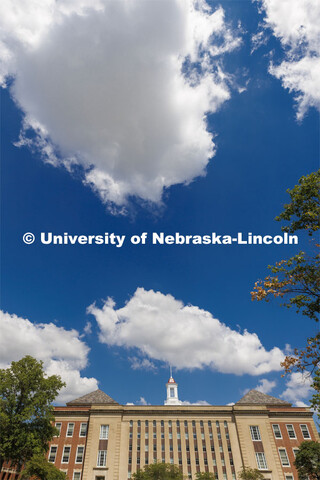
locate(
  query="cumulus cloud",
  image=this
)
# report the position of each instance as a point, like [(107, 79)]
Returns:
[(298, 389), (265, 386), (62, 352), (199, 402), (120, 88), (184, 336), (142, 364), (296, 23)]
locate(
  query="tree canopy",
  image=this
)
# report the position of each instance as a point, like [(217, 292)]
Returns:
[(159, 471), (26, 412), (307, 460), (39, 467), (296, 281), (248, 473)]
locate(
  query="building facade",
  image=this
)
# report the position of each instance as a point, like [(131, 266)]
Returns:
[(102, 440)]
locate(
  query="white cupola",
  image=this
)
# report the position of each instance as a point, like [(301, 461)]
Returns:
[(172, 392)]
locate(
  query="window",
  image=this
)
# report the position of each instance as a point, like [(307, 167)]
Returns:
[(80, 452), (255, 432), (295, 451), (217, 424), (261, 461), (170, 435), (284, 457), (58, 427), (102, 458), (187, 436), (70, 429), (146, 423), (221, 448), (131, 423), (139, 423), (170, 423), (178, 423), (83, 430), (201, 423), (104, 432), (53, 453), (146, 448), (66, 454), (289, 477), (146, 435), (225, 424), (178, 436), (154, 423), (291, 432), (154, 435), (76, 476), (276, 431), (305, 431)]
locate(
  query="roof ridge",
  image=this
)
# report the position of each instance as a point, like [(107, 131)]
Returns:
[(97, 397), (255, 397)]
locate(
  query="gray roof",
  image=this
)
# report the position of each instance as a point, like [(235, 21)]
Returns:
[(253, 397), (98, 397)]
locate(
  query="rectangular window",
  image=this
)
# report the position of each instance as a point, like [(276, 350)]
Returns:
[(289, 477), (255, 432), (80, 452), (291, 432), (102, 458), (53, 453), (70, 429), (276, 431), (66, 454), (284, 457), (76, 476), (261, 461), (305, 431), (104, 433), (295, 451), (83, 430), (58, 427)]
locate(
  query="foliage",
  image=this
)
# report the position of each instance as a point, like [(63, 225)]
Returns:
[(159, 471), (307, 460), (204, 476), (38, 466), (247, 473), (304, 209), (298, 279), (26, 413)]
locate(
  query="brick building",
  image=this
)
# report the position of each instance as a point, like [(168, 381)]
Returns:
[(102, 440)]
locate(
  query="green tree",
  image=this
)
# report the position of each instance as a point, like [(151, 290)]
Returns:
[(159, 471), (304, 209), (204, 476), (247, 473), (297, 280), (307, 460), (39, 467), (26, 413)]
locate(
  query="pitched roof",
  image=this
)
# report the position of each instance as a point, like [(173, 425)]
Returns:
[(253, 397), (98, 397)]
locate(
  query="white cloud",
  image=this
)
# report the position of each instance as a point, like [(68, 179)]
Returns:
[(120, 88), (298, 389), (199, 402), (296, 23), (88, 328), (265, 386), (143, 401), (184, 336), (62, 352), (141, 364)]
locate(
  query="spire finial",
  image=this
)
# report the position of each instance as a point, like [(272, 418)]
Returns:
[(170, 371)]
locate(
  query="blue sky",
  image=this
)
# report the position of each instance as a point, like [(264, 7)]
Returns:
[(265, 140)]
